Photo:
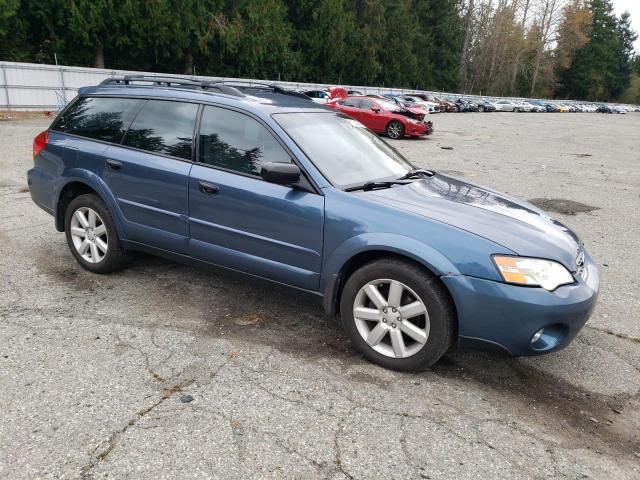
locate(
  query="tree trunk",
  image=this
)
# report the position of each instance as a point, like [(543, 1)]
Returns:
[(98, 61), (466, 42), (516, 64), (547, 19)]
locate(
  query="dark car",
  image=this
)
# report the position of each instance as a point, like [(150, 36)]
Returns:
[(605, 109), (465, 105), (485, 105), (262, 181)]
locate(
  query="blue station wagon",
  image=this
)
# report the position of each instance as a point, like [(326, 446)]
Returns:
[(260, 180)]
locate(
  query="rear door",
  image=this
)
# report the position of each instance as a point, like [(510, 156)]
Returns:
[(149, 174), (239, 221)]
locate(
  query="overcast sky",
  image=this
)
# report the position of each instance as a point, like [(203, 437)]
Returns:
[(634, 8)]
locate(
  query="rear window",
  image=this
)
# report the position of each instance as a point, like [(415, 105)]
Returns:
[(164, 127), (99, 118)]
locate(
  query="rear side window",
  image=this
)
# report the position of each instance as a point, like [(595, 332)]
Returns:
[(100, 118), (352, 102), (237, 142), (164, 127)]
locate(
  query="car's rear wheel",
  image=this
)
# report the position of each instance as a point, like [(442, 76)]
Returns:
[(395, 130), (92, 236), (397, 315)]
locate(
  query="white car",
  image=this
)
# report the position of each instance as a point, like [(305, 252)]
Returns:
[(431, 106), (505, 106), (318, 96), (523, 106)]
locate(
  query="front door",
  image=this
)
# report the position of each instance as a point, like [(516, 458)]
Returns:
[(239, 221)]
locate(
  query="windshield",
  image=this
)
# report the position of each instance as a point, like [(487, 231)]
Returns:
[(388, 105), (343, 149)]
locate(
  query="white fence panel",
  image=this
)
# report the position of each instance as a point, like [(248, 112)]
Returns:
[(32, 86)]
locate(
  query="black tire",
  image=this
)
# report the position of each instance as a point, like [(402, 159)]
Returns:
[(481, 108), (515, 110), (395, 130), (116, 257), (431, 292)]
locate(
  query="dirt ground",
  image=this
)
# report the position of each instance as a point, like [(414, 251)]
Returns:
[(168, 371)]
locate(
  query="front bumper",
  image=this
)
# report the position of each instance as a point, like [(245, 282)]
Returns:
[(507, 316)]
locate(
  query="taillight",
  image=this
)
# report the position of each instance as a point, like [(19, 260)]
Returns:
[(40, 142)]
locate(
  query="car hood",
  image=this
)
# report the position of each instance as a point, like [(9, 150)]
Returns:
[(514, 224)]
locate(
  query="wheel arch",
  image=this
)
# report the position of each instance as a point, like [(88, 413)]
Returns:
[(359, 250), (333, 292), (80, 183)]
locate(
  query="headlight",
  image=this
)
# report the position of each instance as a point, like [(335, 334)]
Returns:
[(534, 272), (413, 120)]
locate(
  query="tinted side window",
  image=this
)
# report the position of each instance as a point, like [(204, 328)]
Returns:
[(164, 127), (352, 102), (366, 104), (237, 142), (100, 118)]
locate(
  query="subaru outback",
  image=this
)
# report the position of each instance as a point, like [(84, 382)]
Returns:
[(260, 180)]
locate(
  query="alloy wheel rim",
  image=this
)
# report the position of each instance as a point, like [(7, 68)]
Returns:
[(394, 130), (391, 318), (89, 235)]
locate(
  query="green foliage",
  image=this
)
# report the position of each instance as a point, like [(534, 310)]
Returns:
[(399, 43), (601, 69)]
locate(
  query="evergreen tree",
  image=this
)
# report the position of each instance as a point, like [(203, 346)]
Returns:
[(626, 37), (438, 43), (594, 73)]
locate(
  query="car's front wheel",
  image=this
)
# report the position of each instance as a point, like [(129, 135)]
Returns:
[(395, 130), (397, 314), (92, 236), (481, 108)]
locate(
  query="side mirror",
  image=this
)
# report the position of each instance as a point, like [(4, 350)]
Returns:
[(375, 109), (280, 173)]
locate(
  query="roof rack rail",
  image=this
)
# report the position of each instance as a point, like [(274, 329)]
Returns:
[(169, 81), (253, 84)]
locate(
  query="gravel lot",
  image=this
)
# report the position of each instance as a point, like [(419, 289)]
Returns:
[(167, 371)]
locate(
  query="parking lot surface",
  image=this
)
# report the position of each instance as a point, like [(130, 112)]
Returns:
[(168, 371)]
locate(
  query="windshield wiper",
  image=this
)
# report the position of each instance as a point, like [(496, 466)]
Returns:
[(375, 185), (415, 172)]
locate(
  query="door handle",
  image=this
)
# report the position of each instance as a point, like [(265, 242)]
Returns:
[(114, 165), (208, 188)]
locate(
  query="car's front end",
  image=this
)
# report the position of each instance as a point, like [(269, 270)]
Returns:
[(517, 279), (524, 320), (530, 299)]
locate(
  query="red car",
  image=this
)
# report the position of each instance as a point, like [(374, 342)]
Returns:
[(383, 116)]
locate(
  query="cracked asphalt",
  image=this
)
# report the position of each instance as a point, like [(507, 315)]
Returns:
[(168, 371)]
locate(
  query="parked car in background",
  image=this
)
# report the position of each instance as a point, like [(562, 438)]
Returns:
[(522, 106), (432, 107), (263, 182), (318, 96), (446, 105), (429, 97), (485, 105), (534, 107), (466, 105), (383, 116), (506, 106), (417, 110)]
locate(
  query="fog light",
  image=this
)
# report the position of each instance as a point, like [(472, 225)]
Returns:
[(537, 335)]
